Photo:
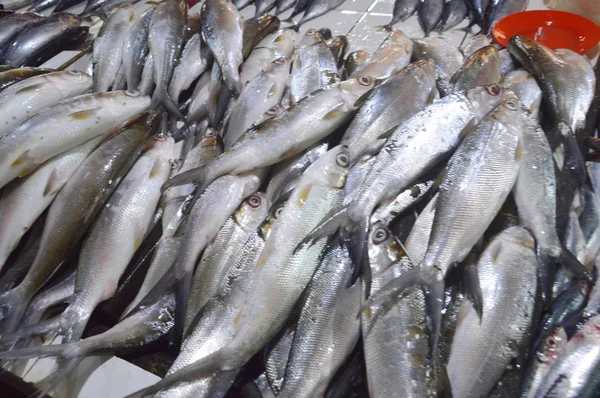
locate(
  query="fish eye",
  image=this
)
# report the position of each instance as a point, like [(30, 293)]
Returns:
[(210, 133), (494, 90), (132, 93), (380, 235), (73, 72), (277, 212), (342, 160), (272, 111), (551, 342), (510, 104), (365, 81), (254, 201), (279, 61)]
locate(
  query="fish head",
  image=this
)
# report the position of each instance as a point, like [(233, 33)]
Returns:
[(69, 79), (383, 248), (253, 211), (531, 54), (278, 66), (312, 36), (484, 99), (353, 89), (331, 169), (553, 345), (131, 101), (282, 42)]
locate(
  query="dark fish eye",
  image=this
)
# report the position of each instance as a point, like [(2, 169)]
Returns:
[(279, 61), (510, 104), (132, 93), (272, 111), (73, 72), (365, 81), (210, 133), (494, 90), (342, 160), (254, 201), (380, 236), (278, 212)]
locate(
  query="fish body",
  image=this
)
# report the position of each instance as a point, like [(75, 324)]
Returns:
[(313, 68), (482, 68), (393, 55), (60, 293), (476, 43), (256, 29), (430, 14), (403, 9), (316, 8), (264, 6), (192, 64), (24, 99), (62, 126), (499, 9), (12, 76), (526, 88), (354, 60), (15, 23), (135, 49), (279, 44), (448, 59), (455, 11)]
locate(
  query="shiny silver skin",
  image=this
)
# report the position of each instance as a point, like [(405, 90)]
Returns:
[(354, 60), (316, 8), (135, 49), (483, 348), (403, 9), (327, 329), (499, 9), (394, 101), (526, 88), (63, 126), (276, 358), (147, 83), (481, 69), (391, 56), (192, 64), (313, 68), (279, 44), (447, 58), (430, 14), (418, 239), (476, 43), (15, 23), (454, 12), (387, 213), (59, 293)]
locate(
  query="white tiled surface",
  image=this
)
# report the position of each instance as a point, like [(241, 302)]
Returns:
[(360, 21)]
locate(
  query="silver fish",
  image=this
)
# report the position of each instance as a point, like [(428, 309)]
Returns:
[(223, 31), (313, 68), (354, 60), (278, 44), (475, 44), (257, 97), (393, 102), (448, 59), (454, 12), (526, 88), (483, 347), (324, 333), (481, 69), (430, 13), (147, 83), (403, 9), (192, 64), (316, 8), (107, 55), (418, 239), (135, 49), (404, 200), (60, 293), (277, 354), (393, 55), (63, 126), (15, 23), (24, 99)]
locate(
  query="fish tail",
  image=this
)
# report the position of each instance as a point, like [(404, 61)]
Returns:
[(196, 176), (59, 350), (161, 97), (39, 329), (574, 160), (355, 233), (328, 226), (183, 287), (434, 302), (569, 261), (13, 305), (57, 376)]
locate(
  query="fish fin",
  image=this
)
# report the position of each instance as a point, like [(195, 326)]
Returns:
[(58, 350), (57, 376), (281, 199), (574, 159), (328, 226), (24, 158), (54, 184), (434, 302), (355, 233), (30, 89), (395, 288), (364, 98), (473, 289), (194, 175), (161, 97), (183, 286), (13, 305), (570, 262), (85, 114), (388, 133)]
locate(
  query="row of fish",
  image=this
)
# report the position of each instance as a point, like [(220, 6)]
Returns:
[(417, 221)]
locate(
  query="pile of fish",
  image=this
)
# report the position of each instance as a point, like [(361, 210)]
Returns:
[(297, 221)]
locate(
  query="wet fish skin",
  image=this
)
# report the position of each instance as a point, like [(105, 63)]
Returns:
[(313, 68), (25, 98), (480, 8), (574, 373), (51, 33), (42, 5), (403, 9), (222, 30), (19, 268), (284, 5), (430, 13), (526, 88), (59, 293), (482, 68), (277, 354), (478, 359), (192, 64), (107, 55), (24, 200), (15, 4), (396, 354), (448, 59), (338, 46), (354, 60), (264, 6), (256, 29), (389, 106), (309, 121), (74, 209), (213, 267), (476, 43), (147, 82), (403, 201), (455, 11), (316, 8), (279, 44), (418, 239), (135, 49), (66, 124), (393, 55), (325, 333), (499, 9), (15, 23), (257, 97)]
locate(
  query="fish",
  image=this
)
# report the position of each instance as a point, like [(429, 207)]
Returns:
[(430, 14), (277, 353), (74, 209), (227, 245), (24, 99), (454, 12), (447, 58), (338, 46), (392, 55), (15, 23), (256, 29), (223, 32), (483, 346), (476, 43), (481, 69), (19, 268), (480, 9), (108, 51), (389, 106), (499, 9), (313, 68), (147, 83), (284, 5), (299, 7), (354, 60), (573, 374), (40, 42), (264, 6), (542, 359), (41, 5), (309, 121), (135, 49), (165, 42), (523, 84), (325, 333), (24, 200), (402, 10), (316, 8), (279, 44), (194, 61), (168, 247), (59, 293), (257, 97), (66, 124), (418, 238), (396, 350), (318, 191), (402, 202)]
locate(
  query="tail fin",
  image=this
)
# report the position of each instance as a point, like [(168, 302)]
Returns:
[(328, 226), (196, 176), (434, 302), (182, 295), (13, 305), (355, 233), (574, 159), (161, 97), (39, 329), (59, 350)]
